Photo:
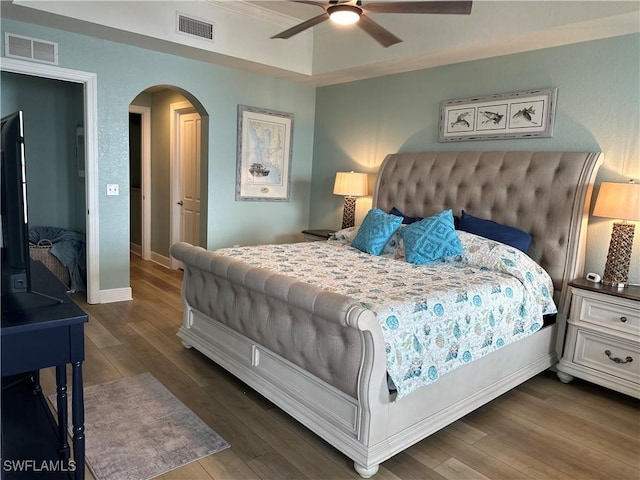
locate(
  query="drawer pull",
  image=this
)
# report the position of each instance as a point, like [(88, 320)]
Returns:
[(617, 359), (623, 319)]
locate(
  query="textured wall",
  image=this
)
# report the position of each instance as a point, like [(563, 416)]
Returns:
[(598, 109), (51, 109), (123, 72)]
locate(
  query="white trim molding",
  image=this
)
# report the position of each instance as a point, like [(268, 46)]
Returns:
[(116, 295), (161, 260)]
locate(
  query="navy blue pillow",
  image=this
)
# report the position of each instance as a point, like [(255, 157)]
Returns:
[(495, 231), (406, 219)]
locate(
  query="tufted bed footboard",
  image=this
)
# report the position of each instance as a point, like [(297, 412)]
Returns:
[(309, 351), (315, 330)]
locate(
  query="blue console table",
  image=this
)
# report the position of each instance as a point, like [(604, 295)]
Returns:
[(46, 329)]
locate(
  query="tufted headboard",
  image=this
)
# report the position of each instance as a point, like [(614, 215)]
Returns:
[(544, 193)]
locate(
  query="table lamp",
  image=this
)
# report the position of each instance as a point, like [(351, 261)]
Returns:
[(620, 201), (351, 185)]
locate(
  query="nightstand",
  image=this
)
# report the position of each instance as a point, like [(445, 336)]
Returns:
[(316, 235), (602, 343)]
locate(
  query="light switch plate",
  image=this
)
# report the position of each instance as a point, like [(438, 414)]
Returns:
[(113, 189)]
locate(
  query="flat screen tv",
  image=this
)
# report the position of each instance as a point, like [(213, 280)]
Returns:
[(16, 275)]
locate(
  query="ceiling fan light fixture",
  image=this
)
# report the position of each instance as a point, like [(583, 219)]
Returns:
[(344, 14)]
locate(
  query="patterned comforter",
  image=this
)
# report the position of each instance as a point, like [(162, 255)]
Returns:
[(434, 318)]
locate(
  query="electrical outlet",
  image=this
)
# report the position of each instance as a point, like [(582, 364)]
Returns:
[(113, 189)]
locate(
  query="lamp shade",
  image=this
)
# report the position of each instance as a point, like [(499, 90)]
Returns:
[(618, 200), (351, 184)]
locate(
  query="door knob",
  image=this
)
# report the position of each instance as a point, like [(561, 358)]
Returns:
[(180, 203)]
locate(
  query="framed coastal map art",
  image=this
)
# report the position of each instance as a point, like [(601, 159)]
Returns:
[(265, 140), (509, 115)]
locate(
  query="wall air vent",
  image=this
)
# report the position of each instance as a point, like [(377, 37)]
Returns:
[(27, 48), (193, 26)]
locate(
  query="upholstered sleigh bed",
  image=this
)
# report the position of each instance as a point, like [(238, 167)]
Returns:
[(321, 355)]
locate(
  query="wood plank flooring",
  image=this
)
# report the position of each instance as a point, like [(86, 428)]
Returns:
[(541, 430)]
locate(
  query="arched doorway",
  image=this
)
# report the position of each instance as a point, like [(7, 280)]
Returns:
[(161, 172)]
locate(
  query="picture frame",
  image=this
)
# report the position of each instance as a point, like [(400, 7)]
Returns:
[(524, 114), (264, 154)]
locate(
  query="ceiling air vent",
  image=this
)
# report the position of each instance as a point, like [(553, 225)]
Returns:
[(27, 48), (193, 26)]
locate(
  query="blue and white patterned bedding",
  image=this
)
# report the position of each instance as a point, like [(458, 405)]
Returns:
[(435, 317)]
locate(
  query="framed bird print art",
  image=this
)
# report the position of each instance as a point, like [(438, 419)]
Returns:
[(509, 115)]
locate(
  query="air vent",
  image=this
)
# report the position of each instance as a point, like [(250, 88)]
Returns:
[(193, 26), (28, 48)]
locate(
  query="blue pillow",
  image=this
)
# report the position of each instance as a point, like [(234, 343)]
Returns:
[(375, 231), (495, 231), (431, 239), (406, 219)]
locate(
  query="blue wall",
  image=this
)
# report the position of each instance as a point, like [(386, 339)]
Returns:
[(349, 126), (52, 110), (598, 109), (122, 73)]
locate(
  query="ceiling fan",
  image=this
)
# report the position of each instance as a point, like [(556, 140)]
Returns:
[(354, 11)]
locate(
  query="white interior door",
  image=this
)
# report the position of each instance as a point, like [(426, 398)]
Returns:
[(189, 154)]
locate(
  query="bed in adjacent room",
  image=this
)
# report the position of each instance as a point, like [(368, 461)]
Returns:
[(390, 331)]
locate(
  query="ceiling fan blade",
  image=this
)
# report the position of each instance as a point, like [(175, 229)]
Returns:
[(322, 5), (383, 36), (302, 26), (452, 7)]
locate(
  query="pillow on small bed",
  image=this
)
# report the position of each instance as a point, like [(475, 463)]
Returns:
[(345, 235), (406, 219), (431, 239), (395, 246), (495, 231), (375, 231)]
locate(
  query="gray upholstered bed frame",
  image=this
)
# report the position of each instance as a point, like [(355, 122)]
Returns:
[(322, 356)]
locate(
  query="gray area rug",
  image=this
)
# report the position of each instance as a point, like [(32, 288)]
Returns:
[(136, 429)]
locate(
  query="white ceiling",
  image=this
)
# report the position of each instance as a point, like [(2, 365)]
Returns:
[(328, 54)]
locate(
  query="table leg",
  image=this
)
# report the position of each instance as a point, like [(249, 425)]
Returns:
[(35, 375), (77, 412), (63, 414)]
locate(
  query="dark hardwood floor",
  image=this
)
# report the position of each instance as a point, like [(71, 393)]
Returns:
[(541, 430)]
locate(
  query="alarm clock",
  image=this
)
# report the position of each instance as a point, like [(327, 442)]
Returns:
[(593, 277)]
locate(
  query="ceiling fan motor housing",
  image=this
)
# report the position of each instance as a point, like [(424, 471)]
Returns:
[(344, 14)]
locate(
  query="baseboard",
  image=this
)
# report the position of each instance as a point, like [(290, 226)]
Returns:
[(161, 259), (135, 249), (115, 295)]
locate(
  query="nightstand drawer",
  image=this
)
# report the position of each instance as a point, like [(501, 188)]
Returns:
[(608, 355), (610, 315)]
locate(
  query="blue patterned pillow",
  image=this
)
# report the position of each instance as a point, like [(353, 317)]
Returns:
[(375, 231), (431, 238)]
